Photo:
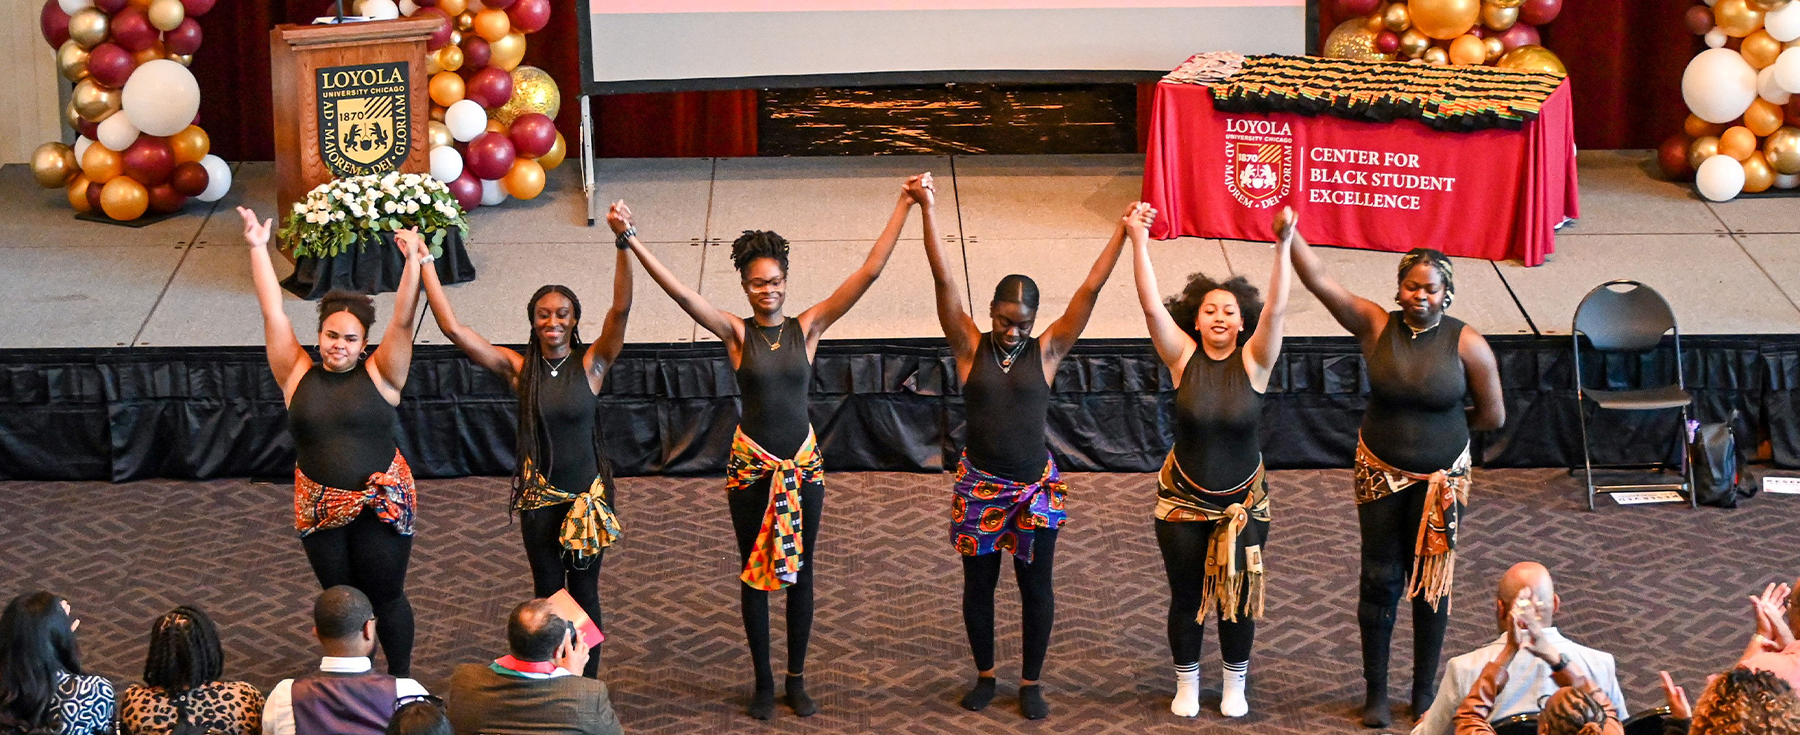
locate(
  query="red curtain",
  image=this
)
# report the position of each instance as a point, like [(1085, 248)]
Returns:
[(232, 67)]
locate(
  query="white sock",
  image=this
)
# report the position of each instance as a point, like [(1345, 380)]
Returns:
[(1187, 690), (1231, 698)]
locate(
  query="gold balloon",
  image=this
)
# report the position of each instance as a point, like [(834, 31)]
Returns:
[(125, 199), (1499, 18), (495, 126), (1763, 117), (54, 165), (1767, 5), (1782, 150), (526, 179), (182, 59), (1375, 22), (1468, 51), (191, 144), (1702, 148), (453, 7), (1758, 176), (151, 53), (1495, 49), (94, 101), (437, 113), (1698, 128), (1506, 3), (165, 15), (88, 27), (465, 21), (1736, 18), (1397, 17), (1737, 142), (77, 193), (1533, 58), (1350, 40), (1445, 19), (455, 36), (450, 58), (432, 66), (71, 61), (72, 116), (1413, 43), (555, 157), (437, 135), (535, 91), (101, 164), (1436, 56), (492, 24), (508, 51), (1760, 49)]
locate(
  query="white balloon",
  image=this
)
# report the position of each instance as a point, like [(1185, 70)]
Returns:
[(1787, 181), (408, 7), (1720, 178), (1783, 23), (467, 119), (81, 145), (380, 9), (161, 97), (493, 193), (1767, 89), (218, 178), (1716, 38), (117, 132), (73, 6), (1787, 70), (1719, 85), (446, 164)]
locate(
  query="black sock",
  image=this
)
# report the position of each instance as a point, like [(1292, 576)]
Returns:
[(978, 698), (762, 703), (797, 699), (1031, 702), (1375, 707)]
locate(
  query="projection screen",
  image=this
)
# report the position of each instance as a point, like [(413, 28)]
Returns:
[(679, 45)]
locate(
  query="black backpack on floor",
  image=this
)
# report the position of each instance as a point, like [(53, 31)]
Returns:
[(1718, 465)]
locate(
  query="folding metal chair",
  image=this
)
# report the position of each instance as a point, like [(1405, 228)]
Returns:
[(1625, 316), (1647, 722), (1525, 724)]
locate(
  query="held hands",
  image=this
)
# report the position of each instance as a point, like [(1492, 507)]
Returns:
[(618, 217), (1284, 225), (1137, 220), (411, 245), (255, 233), (1678, 700), (919, 190), (572, 655)]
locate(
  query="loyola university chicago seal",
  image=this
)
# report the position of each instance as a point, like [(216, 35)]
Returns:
[(1259, 157)]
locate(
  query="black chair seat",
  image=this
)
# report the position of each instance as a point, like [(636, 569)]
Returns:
[(1525, 724), (1648, 399), (1648, 722)]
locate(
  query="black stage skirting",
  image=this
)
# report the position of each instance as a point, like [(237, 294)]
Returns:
[(194, 413)]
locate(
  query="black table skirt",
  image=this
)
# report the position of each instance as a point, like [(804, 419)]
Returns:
[(373, 266)]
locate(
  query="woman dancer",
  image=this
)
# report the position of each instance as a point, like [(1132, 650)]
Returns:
[(1008, 493), (562, 484), (353, 491), (1412, 458), (775, 481), (1220, 343)]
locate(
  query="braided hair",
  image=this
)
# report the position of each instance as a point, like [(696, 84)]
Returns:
[(1572, 712), (755, 244), (184, 651), (533, 445), (1746, 702), (1184, 307), (1438, 262)]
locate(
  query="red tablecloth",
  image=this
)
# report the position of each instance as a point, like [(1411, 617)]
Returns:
[(1494, 194)]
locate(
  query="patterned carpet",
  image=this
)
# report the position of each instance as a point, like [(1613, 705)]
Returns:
[(1659, 586)]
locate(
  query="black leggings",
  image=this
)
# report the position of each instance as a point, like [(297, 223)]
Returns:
[(1183, 547), (1037, 594), (1390, 527), (552, 570), (370, 555), (747, 508)]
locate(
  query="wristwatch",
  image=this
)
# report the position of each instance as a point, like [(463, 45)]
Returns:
[(624, 239), (1562, 662)]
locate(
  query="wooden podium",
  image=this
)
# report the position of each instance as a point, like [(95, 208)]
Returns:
[(349, 99)]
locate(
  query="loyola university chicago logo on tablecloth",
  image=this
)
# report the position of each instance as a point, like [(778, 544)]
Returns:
[(1259, 161), (365, 118)]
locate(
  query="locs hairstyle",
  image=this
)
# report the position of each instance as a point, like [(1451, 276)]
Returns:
[(755, 244), (184, 651), (1184, 307)]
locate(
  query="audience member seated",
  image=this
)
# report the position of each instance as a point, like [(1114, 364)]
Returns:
[(1746, 702), (1578, 707), (1528, 679), (345, 696), (535, 689), (420, 717), (181, 690), (42, 689)]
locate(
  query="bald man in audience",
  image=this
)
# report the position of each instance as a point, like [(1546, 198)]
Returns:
[(1528, 682), (537, 688)]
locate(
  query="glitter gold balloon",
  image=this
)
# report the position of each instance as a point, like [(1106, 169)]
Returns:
[(1533, 58), (54, 165), (72, 60), (1736, 18), (1397, 17), (1703, 147), (88, 27), (507, 52), (1350, 40), (94, 102), (535, 91), (1498, 18), (1782, 150), (437, 134), (1413, 43)]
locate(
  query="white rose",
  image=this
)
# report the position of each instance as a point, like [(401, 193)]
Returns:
[(337, 216)]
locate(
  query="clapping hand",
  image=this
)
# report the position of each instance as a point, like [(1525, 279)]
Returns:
[(618, 217), (256, 233), (1528, 628), (1678, 700), (921, 190), (1770, 612)]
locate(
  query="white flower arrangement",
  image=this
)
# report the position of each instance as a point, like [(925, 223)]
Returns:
[(336, 213)]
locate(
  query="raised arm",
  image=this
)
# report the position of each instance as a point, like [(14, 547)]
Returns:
[(1362, 317), (1060, 336), (815, 320), (287, 359), (604, 350), (1483, 377), (501, 361), (726, 327), (1264, 347), (953, 315), (393, 357), (1172, 344)]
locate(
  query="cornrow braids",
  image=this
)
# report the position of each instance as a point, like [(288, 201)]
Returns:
[(1572, 712), (755, 244), (184, 651)]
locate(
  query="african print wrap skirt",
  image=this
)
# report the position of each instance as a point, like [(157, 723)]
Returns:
[(1447, 491), (991, 513), (1234, 553), (390, 493), (590, 524), (775, 559)]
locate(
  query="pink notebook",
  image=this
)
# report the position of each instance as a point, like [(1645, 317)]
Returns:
[(567, 609)]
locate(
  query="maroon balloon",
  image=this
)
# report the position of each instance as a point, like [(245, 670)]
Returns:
[(89, 129), (93, 195), (440, 37), (475, 54), (189, 179), (1478, 31), (1348, 9), (1521, 34), (1387, 42), (490, 156), (131, 29), (533, 134), (1672, 158), (467, 190), (1699, 19), (110, 65), (496, 4), (54, 23), (110, 7), (1539, 12), (491, 87), (197, 7), (185, 39), (164, 199), (529, 16), (149, 159)]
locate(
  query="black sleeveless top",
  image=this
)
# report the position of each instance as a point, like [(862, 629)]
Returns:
[(1415, 419), (1007, 412), (343, 429), (1218, 422), (567, 405), (773, 385)]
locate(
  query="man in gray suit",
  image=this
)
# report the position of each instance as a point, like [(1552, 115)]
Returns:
[(534, 690)]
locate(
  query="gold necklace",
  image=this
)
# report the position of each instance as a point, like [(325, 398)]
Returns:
[(779, 328)]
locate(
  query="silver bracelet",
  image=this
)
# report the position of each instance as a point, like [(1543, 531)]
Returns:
[(427, 259)]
